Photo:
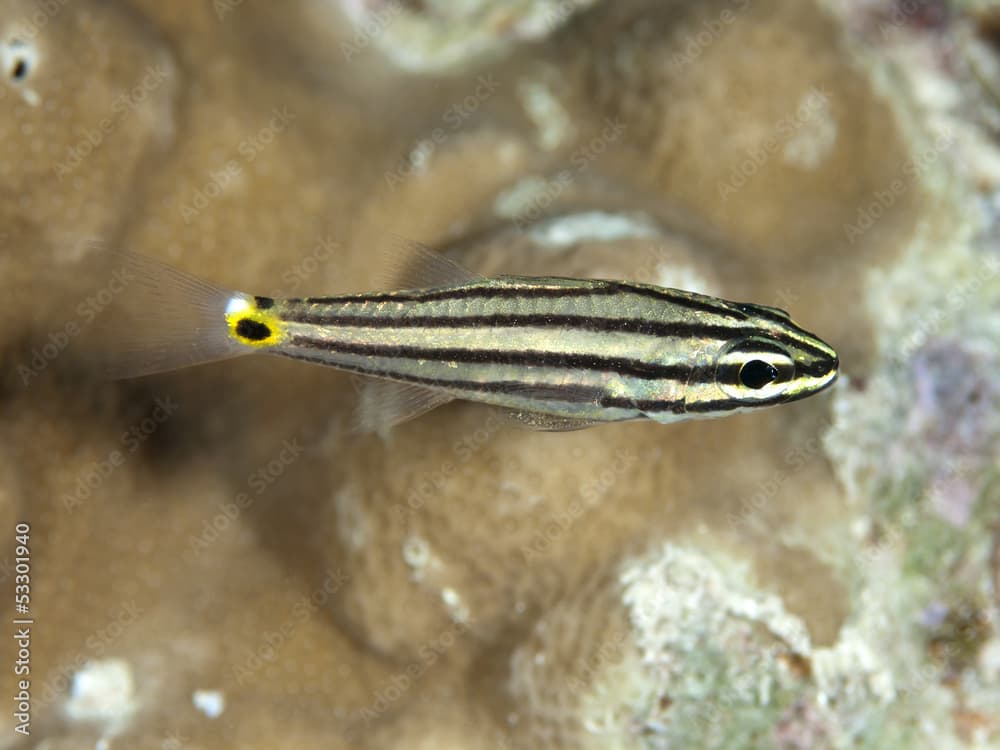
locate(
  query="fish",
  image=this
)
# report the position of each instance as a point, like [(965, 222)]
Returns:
[(554, 353)]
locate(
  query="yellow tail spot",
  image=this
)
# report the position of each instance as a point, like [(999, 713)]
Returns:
[(253, 326)]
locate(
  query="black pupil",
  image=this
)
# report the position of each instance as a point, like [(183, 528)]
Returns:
[(757, 373)]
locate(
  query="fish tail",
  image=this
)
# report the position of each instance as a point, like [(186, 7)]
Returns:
[(159, 319)]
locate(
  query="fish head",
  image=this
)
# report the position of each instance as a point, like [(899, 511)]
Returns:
[(776, 362), (765, 360)]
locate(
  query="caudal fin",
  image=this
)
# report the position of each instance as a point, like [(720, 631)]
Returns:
[(153, 318)]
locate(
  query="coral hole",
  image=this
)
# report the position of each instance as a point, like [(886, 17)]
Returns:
[(18, 59)]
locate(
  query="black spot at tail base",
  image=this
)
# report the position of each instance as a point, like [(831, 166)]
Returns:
[(252, 330)]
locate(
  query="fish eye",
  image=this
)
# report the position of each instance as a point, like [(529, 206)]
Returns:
[(754, 369), (757, 373)]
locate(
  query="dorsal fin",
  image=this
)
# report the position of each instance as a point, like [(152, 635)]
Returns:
[(411, 265)]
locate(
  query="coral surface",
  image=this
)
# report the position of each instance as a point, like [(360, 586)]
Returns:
[(216, 561)]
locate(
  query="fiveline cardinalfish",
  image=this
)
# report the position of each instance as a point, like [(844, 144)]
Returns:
[(555, 353)]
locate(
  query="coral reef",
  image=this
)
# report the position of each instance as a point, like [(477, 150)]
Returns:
[(440, 35), (216, 561)]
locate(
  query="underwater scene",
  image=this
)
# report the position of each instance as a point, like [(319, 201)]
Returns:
[(481, 375)]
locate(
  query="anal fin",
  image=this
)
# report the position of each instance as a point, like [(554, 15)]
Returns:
[(383, 404), (579, 395)]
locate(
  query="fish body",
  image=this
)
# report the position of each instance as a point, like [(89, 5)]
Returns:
[(561, 352)]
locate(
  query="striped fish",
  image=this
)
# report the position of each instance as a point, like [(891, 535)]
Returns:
[(557, 353)]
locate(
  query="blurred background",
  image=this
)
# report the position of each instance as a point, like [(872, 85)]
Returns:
[(216, 562)]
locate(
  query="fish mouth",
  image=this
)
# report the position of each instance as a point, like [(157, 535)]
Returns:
[(822, 374), (833, 375)]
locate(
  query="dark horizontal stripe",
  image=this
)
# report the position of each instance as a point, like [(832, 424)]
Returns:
[(707, 407), (758, 347), (463, 293), (650, 406), (540, 320), (767, 313), (570, 394), (535, 320), (730, 375), (817, 368), (683, 300), (527, 290), (635, 368), (548, 392), (679, 406)]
